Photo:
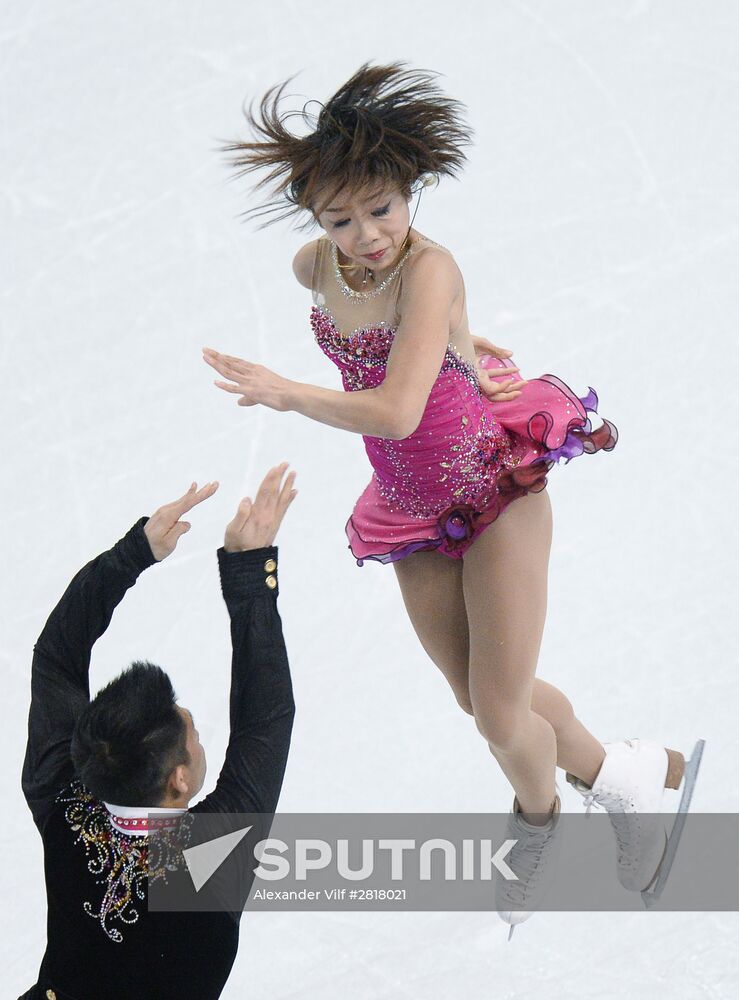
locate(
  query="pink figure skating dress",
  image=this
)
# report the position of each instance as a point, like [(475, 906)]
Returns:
[(469, 457)]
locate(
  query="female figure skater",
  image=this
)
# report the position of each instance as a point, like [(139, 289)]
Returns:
[(457, 502)]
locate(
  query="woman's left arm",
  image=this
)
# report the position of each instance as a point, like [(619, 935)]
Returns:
[(392, 409), (431, 281)]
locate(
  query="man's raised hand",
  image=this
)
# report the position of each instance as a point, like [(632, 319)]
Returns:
[(164, 528), (256, 522)]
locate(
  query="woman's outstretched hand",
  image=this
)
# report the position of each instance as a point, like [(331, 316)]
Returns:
[(164, 528), (254, 383), (497, 392)]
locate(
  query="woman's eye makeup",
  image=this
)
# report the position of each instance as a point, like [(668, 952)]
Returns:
[(378, 211)]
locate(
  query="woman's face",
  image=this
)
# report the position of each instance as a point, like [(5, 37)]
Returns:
[(362, 223)]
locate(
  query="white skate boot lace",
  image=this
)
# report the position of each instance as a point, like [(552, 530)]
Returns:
[(530, 849), (624, 819)]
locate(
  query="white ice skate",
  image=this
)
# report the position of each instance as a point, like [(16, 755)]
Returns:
[(532, 858), (630, 786)]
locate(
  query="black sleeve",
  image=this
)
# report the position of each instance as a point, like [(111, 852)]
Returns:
[(61, 660), (261, 700)]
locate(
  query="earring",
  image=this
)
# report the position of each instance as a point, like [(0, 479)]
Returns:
[(344, 267)]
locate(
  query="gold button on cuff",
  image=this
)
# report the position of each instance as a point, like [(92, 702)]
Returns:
[(271, 582), (270, 566), (50, 995)]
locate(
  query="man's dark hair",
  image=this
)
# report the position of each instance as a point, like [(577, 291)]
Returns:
[(130, 737)]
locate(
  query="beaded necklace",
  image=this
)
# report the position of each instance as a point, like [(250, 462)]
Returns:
[(351, 293), (355, 296)]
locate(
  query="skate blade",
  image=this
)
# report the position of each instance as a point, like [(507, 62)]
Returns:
[(651, 894)]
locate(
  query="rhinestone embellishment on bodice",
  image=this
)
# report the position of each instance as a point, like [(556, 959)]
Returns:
[(371, 345)]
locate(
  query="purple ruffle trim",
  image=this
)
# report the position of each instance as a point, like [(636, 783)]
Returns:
[(402, 551), (574, 443), (460, 522)]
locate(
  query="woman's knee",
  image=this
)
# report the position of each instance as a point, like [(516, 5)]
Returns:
[(456, 674), (501, 726), (464, 701), (457, 680)]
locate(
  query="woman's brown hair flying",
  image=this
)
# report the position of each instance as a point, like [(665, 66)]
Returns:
[(387, 124)]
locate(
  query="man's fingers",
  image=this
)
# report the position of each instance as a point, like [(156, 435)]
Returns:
[(269, 487), (192, 491), (168, 508), (202, 494), (259, 520), (193, 497), (242, 512), (268, 494), (189, 500), (287, 494)]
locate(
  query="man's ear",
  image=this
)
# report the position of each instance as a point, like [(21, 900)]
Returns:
[(178, 784)]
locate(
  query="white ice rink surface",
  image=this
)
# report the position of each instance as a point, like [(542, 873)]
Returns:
[(597, 227)]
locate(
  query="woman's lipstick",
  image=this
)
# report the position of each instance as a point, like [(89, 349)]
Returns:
[(374, 256)]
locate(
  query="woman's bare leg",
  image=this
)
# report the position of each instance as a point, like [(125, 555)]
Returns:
[(578, 751), (432, 588), (505, 591), (431, 585)]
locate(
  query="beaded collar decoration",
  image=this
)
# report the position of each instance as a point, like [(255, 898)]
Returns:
[(123, 864), (141, 825), (351, 293)]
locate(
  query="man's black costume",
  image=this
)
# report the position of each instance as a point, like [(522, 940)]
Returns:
[(102, 942)]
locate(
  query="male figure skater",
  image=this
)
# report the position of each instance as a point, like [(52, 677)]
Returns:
[(98, 774)]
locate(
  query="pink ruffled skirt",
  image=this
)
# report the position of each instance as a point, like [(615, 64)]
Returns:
[(547, 423)]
